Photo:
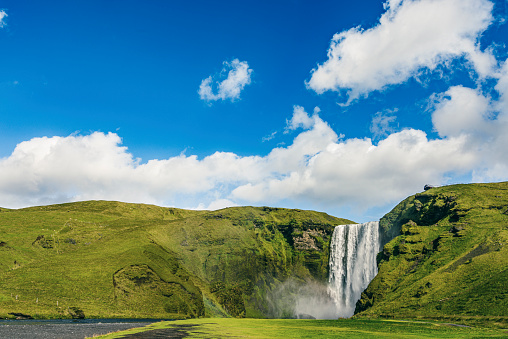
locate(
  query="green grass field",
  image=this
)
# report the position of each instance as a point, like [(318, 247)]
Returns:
[(344, 328)]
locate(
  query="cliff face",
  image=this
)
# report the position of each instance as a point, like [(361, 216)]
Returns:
[(110, 259), (245, 253), (449, 259)]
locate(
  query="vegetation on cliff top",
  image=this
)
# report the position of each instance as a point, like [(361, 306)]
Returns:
[(450, 259), (111, 259)]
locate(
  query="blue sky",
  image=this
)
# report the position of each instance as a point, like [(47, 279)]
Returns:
[(340, 106)]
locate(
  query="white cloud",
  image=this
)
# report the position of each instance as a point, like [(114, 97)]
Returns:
[(382, 123), (462, 110), (3, 15), (238, 76), (411, 36), (467, 112), (355, 171), (300, 119), (269, 137), (218, 204), (319, 168), (502, 89)]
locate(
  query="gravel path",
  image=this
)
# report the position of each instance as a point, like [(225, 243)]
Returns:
[(63, 329)]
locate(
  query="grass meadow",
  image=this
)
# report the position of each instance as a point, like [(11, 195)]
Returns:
[(292, 328)]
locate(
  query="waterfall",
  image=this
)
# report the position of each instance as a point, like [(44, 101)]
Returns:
[(353, 264), (353, 251)]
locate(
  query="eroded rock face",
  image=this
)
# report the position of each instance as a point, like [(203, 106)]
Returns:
[(307, 241)]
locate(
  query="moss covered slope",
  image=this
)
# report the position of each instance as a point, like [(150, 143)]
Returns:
[(451, 258), (111, 259)]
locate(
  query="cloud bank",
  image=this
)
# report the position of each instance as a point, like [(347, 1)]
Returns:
[(318, 167), (238, 76), (411, 36)]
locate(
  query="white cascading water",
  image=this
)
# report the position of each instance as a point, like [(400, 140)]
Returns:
[(353, 264)]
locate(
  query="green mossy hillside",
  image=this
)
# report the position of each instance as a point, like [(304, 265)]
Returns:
[(111, 259), (450, 259), (243, 253)]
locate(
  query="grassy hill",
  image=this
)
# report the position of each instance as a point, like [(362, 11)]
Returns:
[(111, 259), (451, 259)]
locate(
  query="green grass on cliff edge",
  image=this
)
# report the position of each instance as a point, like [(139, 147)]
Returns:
[(451, 259), (110, 259)]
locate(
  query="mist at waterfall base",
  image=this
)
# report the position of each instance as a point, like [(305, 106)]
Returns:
[(352, 266), (301, 300)]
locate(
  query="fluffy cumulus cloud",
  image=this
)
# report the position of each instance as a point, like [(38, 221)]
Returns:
[(233, 78), (319, 166), (301, 119), (97, 166), (462, 110), (411, 36)]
